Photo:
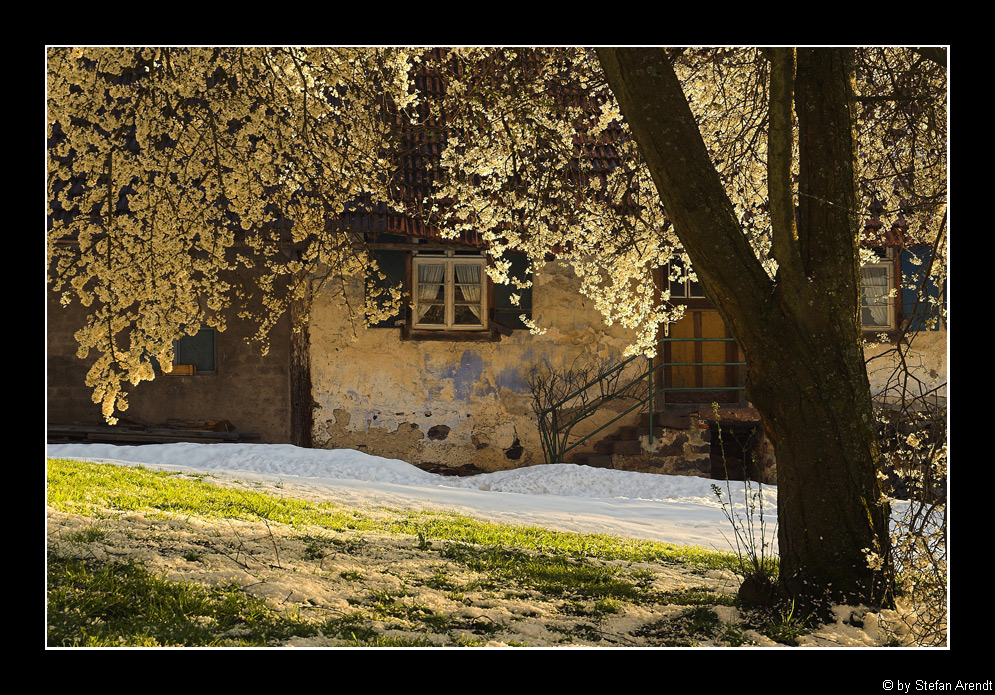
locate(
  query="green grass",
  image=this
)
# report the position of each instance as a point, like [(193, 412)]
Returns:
[(550, 574), (108, 602), (123, 604), (77, 486), (85, 536)]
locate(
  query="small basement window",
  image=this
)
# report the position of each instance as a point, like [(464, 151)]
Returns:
[(195, 354)]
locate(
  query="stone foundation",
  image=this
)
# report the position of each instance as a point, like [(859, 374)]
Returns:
[(689, 443)]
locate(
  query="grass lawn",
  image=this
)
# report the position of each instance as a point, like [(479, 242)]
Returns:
[(144, 558)]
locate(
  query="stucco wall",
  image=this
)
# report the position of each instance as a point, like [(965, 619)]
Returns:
[(447, 403), (926, 359)]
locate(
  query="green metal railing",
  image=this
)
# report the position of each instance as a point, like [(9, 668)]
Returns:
[(555, 435)]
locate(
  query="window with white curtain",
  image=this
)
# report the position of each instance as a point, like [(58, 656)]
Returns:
[(449, 292), (878, 293)]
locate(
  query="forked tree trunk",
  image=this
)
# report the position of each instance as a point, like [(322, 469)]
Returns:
[(800, 333)]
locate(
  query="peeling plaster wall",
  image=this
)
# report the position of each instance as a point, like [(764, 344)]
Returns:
[(457, 403), (926, 361), (446, 403)]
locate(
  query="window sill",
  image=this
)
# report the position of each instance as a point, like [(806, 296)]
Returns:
[(182, 370), (487, 335), (185, 370)]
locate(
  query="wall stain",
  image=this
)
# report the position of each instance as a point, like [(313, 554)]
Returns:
[(467, 374)]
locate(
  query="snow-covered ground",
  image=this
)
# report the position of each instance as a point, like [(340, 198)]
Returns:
[(678, 509)]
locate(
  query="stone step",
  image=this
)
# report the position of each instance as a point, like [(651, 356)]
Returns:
[(673, 420), (627, 447), (593, 460), (637, 431), (604, 446), (730, 415)]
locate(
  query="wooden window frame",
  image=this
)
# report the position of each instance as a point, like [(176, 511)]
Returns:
[(191, 369), (890, 263), (449, 260), (488, 330)]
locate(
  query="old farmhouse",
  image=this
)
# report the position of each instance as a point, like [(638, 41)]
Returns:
[(457, 383)]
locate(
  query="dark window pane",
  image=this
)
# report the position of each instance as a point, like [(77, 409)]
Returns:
[(432, 313), (393, 266), (921, 313), (467, 315), (506, 313), (197, 350)]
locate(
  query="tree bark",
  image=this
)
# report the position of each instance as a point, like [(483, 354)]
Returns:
[(301, 400), (799, 332)]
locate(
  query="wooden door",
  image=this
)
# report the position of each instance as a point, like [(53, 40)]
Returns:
[(694, 362)]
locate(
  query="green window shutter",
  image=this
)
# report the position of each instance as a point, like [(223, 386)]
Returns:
[(505, 313), (197, 350), (394, 265)]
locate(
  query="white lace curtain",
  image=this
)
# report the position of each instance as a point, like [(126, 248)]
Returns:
[(430, 279), (468, 276), (874, 282)]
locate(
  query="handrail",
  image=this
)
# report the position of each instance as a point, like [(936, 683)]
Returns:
[(554, 436)]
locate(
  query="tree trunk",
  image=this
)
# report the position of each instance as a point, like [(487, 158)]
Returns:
[(301, 401), (800, 332), (811, 390)]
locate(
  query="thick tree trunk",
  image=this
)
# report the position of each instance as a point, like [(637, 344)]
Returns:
[(799, 333), (811, 390)]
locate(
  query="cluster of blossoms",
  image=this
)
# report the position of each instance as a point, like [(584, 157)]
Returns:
[(538, 158), (173, 171)]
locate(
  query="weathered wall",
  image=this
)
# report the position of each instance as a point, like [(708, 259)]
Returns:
[(250, 390), (926, 361), (447, 403)]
